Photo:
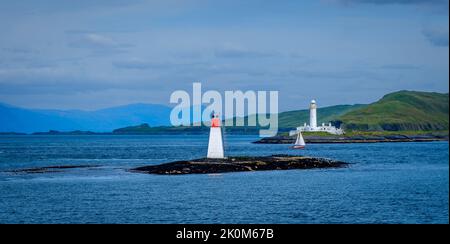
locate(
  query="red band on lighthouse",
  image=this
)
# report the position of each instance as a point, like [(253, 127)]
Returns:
[(215, 122)]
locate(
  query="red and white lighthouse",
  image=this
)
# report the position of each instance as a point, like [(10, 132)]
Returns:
[(215, 144)]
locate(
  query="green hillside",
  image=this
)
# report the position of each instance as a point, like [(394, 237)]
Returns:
[(293, 119), (400, 111), (287, 121), (403, 110)]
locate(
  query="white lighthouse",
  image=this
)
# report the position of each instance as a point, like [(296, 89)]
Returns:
[(312, 127), (313, 114), (215, 144)]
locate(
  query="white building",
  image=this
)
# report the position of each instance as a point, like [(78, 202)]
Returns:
[(312, 127)]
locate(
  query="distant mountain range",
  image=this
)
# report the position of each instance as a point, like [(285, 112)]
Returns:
[(15, 119), (403, 110)]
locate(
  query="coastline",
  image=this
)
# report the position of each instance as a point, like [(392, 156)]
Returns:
[(354, 139)]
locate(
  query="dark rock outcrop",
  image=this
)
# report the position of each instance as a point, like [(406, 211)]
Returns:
[(49, 169), (237, 164)]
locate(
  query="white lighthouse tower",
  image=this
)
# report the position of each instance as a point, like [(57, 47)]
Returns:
[(215, 144), (312, 127), (313, 114)]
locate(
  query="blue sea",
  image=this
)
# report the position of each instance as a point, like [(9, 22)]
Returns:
[(385, 183)]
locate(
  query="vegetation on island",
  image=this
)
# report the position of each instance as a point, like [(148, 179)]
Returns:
[(408, 112), (401, 111)]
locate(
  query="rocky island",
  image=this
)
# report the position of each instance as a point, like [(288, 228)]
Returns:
[(49, 169), (356, 138), (239, 164)]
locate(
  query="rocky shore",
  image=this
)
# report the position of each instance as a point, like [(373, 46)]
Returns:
[(49, 169), (353, 139), (238, 164)]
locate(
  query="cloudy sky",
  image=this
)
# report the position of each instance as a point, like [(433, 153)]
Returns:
[(82, 54)]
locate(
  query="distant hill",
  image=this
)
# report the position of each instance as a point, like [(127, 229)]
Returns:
[(15, 119), (403, 110), (398, 111), (287, 121), (293, 119), (147, 129)]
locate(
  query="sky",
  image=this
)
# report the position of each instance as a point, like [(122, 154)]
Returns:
[(92, 54)]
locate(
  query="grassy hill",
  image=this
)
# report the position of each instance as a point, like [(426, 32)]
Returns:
[(409, 111), (293, 119), (403, 110), (287, 121)]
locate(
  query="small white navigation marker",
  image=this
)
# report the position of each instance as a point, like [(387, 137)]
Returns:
[(215, 144)]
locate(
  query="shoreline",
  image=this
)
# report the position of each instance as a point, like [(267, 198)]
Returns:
[(353, 139)]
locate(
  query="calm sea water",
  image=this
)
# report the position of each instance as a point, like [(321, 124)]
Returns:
[(386, 183)]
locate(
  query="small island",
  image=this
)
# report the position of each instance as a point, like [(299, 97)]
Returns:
[(239, 164), (49, 169), (359, 137)]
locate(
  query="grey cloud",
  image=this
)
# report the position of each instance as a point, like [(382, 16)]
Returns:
[(139, 64), (439, 7), (17, 50), (52, 6), (143, 64), (188, 55), (297, 55), (400, 67), (333, 75), (405, 2), (436, 37), (92, 40), (45, 81), (241, 53), (98, 43)]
